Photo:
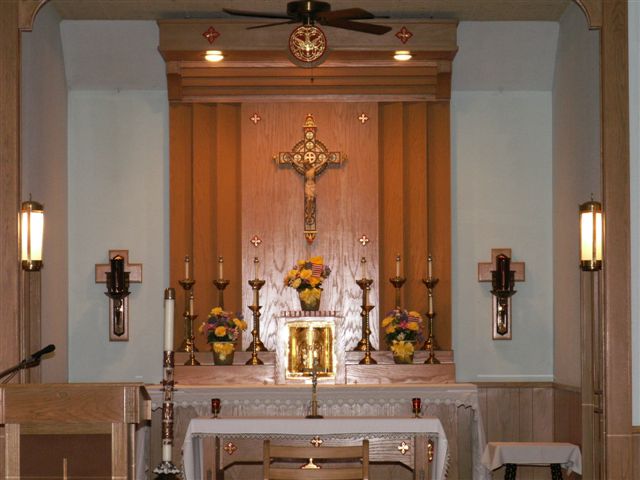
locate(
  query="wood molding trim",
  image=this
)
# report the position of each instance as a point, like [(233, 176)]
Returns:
[(9, 182), (593, 11), (27, 11), (616, 264)]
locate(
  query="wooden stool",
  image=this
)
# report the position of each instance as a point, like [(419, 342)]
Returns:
[(512, 454)]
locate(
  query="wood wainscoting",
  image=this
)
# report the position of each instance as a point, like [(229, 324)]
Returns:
[(530, 412)]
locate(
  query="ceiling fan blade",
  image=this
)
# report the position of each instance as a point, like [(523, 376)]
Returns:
[(358, 26), (346, 14), (272, 24), (244, 13)]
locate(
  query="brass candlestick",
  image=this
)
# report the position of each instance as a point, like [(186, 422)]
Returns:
[(221, 284), (189, 342), (397, 283), (365, 285), (430, 343), (256, 344)]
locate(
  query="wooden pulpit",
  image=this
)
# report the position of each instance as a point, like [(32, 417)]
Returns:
[(110, 410)]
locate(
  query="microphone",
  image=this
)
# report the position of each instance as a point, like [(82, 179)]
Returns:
[(35, 357)]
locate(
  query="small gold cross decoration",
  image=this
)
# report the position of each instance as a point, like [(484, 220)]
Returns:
[(316, 441), (403, 447), (230, 448)]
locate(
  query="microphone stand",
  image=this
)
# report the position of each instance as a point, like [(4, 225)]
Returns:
[(24, 364)]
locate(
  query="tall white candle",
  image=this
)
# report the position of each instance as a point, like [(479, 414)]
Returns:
[(167, 453), (169, 308), (398, 265), (220, 267), (186, 266), (429, 266)]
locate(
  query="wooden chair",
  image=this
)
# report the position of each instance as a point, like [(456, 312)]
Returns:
[(302, 455)]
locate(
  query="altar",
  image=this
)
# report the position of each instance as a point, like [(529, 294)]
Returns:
[(419, 443), (454, 405)]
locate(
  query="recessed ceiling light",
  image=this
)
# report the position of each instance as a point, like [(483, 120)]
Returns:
[(213, 56), (402, 55)]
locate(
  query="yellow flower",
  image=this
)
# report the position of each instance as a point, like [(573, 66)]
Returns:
[(240, 324), (387, 321), (314, 281), (414, 314), (402, 349), (216, 311), (301, 262), (413, 326), (220, 331), (317, 260), (390, 329), (296, 283), (293, 273), (305, 273)]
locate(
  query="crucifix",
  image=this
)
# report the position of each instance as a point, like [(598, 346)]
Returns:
[(314, 387), (309, 158)]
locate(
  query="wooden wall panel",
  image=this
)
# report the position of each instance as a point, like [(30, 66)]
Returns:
[(180, 208), (439, 200), (9, 181), (347, 205)]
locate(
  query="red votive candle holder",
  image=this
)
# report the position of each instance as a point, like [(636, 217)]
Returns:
[(416, 406), (215, 407)]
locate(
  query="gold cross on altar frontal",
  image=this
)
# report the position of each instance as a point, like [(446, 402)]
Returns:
[(309, 158)]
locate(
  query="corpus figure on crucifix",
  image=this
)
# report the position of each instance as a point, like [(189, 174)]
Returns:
[(309, 158)]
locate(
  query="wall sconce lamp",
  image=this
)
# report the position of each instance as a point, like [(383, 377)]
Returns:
[(118, 274), (502, 273), (31, 235), (591, 236)]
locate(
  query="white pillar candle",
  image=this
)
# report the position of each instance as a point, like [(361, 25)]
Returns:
[(186, 266), (429, 267), (220, 267), (398, 265), (169, 307), (167, 453)]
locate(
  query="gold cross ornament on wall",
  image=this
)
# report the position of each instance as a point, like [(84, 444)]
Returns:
[(309, 158)]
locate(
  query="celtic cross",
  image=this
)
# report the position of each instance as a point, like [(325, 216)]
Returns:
[(309, 158)]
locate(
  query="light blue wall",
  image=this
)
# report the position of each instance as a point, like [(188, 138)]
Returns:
[(501, 175), (118, 199)]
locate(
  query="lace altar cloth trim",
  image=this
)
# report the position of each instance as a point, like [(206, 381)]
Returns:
[(303, 313)]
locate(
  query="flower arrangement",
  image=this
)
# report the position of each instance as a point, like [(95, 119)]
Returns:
[(223, 326), (306, 277), (402, 329)]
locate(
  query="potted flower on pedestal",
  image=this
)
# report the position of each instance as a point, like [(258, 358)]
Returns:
[(402, 331), (222, 330), (306, 277)]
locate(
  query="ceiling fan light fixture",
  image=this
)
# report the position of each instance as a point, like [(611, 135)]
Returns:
[(402, 55), (213, 56)]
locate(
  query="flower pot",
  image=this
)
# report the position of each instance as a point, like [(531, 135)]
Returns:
[(223, 353), (403, 351), (309, 303)]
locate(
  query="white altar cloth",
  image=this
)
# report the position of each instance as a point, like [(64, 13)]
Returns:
[(533, 453), (294, 427)]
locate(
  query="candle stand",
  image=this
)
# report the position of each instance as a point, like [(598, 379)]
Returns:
[(365, 342), (189, 342), (430, 343), (166, 469), (221, 284), (397, 283), (256, 344)]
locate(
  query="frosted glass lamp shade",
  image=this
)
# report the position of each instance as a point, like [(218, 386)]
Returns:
[(32, 230), (591, 236)]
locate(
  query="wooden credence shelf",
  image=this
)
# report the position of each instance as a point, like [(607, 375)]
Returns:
[(385, 372)]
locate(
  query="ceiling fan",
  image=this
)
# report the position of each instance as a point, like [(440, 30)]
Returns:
[(307, 42)]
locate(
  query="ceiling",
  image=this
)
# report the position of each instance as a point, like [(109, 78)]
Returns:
[(463, 10)]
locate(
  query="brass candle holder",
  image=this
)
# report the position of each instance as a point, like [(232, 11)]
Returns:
[(397, 283), (189, 342), (430, 343), (221, 284), (256, 344), (365, 285)]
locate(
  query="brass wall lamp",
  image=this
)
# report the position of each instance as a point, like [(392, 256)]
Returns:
[(591, 236), (31, 235), (503, 274), (118, 274)]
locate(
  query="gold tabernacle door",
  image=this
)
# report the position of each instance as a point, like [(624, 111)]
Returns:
[(305, 336), (309, 340)]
